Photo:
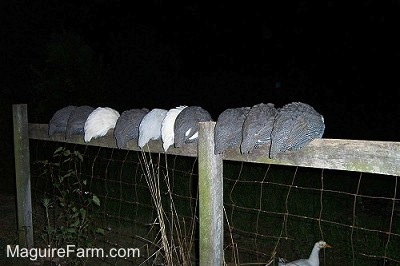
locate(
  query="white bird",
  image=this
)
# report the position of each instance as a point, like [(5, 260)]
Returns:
[(150, 126), (58, 123), (168, 125), (99, 122), (313, 260)]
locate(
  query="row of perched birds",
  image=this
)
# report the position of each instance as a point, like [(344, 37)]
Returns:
[(245, 128)]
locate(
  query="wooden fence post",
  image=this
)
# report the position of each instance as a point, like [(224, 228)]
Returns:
[(22, 175), (210, 198)]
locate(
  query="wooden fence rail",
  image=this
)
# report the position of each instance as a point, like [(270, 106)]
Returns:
[(378, 157)]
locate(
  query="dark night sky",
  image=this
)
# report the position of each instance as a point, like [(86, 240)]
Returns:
[(343, 59)]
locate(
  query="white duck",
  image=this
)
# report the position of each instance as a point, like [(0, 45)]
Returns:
[(313, 260)]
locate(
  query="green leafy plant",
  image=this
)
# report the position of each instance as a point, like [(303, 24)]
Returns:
[(72, 202)]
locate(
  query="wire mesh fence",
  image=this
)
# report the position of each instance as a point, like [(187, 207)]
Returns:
[(282, 212), (150, 202), (127, 211)]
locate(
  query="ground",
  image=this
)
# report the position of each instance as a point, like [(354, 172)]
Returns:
[(8, 232), (8, 228)]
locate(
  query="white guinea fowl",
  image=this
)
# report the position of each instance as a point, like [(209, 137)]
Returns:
[(150, 126), (99, 122), (313, 260), (167, 126)]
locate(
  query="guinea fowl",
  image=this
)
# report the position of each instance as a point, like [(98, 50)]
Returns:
[(186, 127), (313, 260), (150, 126), (127, 127), (228, 129), (295, 125), (99, 122), (257, 127), (167, 126), (59, 120), (77, 119)]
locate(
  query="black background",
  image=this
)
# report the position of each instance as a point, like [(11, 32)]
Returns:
[(341, 58)]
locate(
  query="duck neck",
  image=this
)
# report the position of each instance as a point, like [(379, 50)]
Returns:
[(314, 256)]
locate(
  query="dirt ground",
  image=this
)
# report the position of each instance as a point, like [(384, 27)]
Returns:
[(8, 228), (8, 232)]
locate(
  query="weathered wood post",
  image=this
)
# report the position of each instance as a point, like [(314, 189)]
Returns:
[(23, 175), (210, 198)]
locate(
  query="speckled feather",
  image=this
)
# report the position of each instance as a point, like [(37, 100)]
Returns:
[(257, 127), (58, 123), (186, 125), (127, 127), (296, 125), (77, 119), (228, 129)]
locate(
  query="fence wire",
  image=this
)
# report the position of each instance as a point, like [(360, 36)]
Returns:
[(276, 211), (270, 211)]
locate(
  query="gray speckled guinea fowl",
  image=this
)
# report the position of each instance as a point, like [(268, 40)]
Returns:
[(77, 119), (127, 127), (186, 125), (296, 125), (257, 127), (228, 129), (59, 120)]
